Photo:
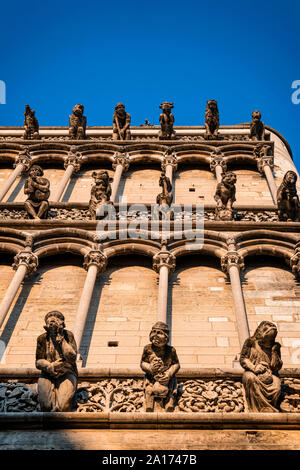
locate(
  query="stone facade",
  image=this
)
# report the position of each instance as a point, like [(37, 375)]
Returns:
[(195, 291)]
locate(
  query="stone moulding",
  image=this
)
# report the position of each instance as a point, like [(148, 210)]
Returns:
[(122, 391)]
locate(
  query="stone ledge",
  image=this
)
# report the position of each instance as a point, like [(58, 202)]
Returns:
[(121, 372), (74, 420)]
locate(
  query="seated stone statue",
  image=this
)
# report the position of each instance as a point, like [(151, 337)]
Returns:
[(211, 120), (225, 196), (287, 198), (56, 354), (77, 123), (260, 357), (160, 363), (257, 128), (166, 120), (31, 124), (121, 123), (37, 189), (100, 192)]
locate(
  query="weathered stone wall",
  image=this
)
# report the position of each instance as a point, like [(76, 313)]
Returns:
[(203, 320), (272, 292)]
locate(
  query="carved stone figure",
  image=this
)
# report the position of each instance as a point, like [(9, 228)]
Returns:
[(100, 192), (287, 198), (77, 123), (121, 123), (257, 128), (261, 359), (225, 196), (166, 196), (160, 363), (166, 120), (56, 354), (31, 124), (211, 120), (37, 189)]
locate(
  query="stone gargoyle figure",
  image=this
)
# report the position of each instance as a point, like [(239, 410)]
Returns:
[(166, 120), (257, 128), (287, 198), (160, 364), (211, 120), (261, 359), (100, 192), (166, 196), (31, 124), (225, 196), (37, 189), (56, 354), (77, 123), (121, 123)]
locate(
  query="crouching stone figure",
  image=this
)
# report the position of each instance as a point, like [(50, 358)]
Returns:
[(160, 363), (56, 354), (260, 357)]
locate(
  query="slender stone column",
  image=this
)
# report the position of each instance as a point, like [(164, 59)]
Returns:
[(25, 263), (218, 164), (94, 262), (120, 165), (21, 165), (169, 164), (163, 263), (265, 165), (232, 264), (72, 164)]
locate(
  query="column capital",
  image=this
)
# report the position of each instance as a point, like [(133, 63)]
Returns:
[(169, 159), (295, 261), (164, 258), (27, 258), (217, 158), (121, 159), (97, 258), (73, 158), (265, 161), (232, 258), (23, 158)]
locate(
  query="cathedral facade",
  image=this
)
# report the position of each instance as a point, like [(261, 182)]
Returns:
[(120, 228)]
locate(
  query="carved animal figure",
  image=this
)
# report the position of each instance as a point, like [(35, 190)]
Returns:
[(31, 124), (166, 120), (77, 123), (211, 119), (257, 128), (121, 123), (287, 198), (225, 192), (100, 192)]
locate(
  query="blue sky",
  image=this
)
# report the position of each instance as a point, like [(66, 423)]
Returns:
[(59, 53)]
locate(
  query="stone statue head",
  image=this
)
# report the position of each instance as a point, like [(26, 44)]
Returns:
[(101, 177), (256, 115), (120, 109), (36, 170), (290, 178), (229, 178), (212, 105), (78, 110), (159, 335), (266, 332), (166, 107), (54, 321)]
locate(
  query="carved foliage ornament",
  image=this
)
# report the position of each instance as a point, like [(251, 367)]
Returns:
[(164, 258), (73, 158), (97, 258), (30, 260), (121, 159), (232, 258), (24, 159), (169, 159)]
